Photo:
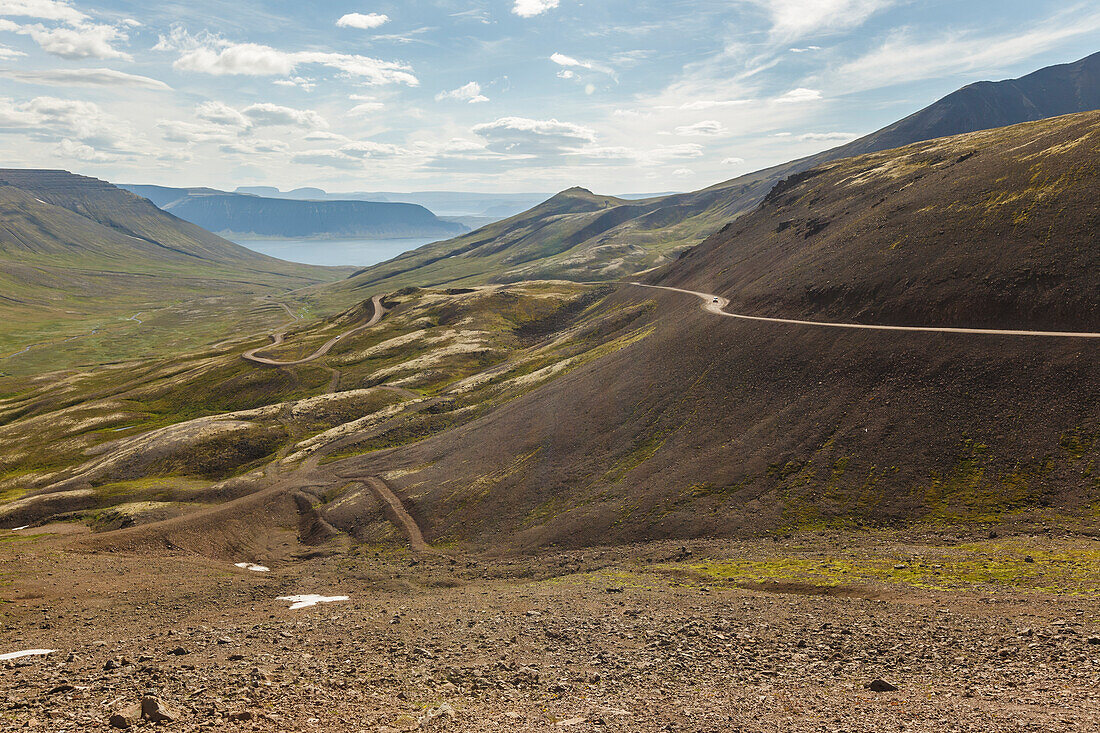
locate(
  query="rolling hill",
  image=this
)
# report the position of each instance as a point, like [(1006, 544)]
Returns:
[(246, 215), (581, 236)]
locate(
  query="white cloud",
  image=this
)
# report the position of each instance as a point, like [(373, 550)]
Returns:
[(706, 128), (7, 54), (82, 123), (527, 137), (732, 161), (79, 151), (799, 95), (562, 60), (531, 8), (85, 77), (220, 113), (676, 152), (370, 149), (79, 42), (826, 136), (571, 63), (43, 10), (362, 21), (349, 156), (188, 133), (470, 93), (902, 59), (266, 114), (365, 108), (304, 83), (806, 49), (683, 172), (711, 103), (210, 54), (255, 146), (795, 19)]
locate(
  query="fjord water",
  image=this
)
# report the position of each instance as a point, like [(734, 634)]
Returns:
[(336, 252)]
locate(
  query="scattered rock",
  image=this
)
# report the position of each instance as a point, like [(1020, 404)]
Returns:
[(126, 717), (880, 686), (438, 718), (155, 711)]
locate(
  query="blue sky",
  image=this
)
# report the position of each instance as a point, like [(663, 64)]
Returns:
[(619, 96)]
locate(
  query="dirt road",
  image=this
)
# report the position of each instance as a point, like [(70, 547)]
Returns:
[(280, 336), (401, 516), (716, 304)]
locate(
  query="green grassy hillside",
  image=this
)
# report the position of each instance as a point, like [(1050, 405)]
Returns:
[(78, 254)]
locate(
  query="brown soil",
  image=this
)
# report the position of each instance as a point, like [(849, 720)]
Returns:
[(606, 639)]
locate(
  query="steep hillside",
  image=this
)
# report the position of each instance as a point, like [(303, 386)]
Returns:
[(990, 229), (711, 425), (74, 248), (636, 235), (526, 415), (238, 215)]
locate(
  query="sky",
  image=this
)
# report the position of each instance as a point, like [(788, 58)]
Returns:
[(618, 96)]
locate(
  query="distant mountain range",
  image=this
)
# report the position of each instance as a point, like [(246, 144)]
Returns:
[(451, 204), (242, 215), (461, 206), (582, 236)]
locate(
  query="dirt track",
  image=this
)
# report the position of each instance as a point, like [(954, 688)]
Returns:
[(400, 517), (716, 304), (279, 337)]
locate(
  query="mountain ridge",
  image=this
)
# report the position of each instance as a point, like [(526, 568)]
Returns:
[(650, 232)]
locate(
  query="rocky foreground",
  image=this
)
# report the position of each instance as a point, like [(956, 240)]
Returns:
[(650, 638)]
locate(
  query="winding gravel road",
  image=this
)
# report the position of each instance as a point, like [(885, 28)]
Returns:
[(716, 304), (280, 336)]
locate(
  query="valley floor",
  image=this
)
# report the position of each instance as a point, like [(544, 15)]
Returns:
[(781, 635)]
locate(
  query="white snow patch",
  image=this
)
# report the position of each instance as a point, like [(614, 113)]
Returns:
[(309, 600), (26, 653), (16, 529), (251, 566)]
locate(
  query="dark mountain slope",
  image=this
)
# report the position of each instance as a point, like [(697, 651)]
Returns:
[(646, 233), (1050, 92), (238, 214), (711, 425), (997, 229)]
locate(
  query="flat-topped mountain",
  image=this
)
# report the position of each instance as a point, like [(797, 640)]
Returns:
[(246, 215)]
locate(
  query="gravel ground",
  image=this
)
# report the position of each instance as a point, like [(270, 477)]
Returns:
[(622, 639)]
